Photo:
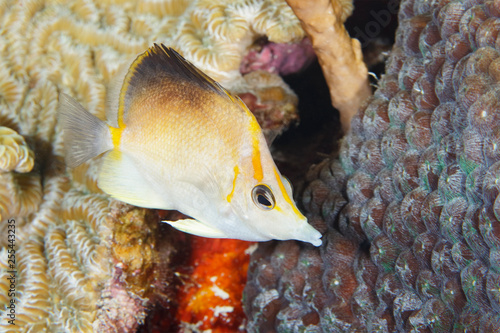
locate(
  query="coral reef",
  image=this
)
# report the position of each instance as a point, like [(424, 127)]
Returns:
[(83, 261), (211, 297), (277, 58), (15, 154), (339, 55), (409, 210), (272, 102)]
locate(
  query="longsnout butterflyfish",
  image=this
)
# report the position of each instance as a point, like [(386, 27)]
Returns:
[(178, 140)]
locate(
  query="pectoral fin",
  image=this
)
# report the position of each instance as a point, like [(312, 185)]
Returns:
[(197, 228)]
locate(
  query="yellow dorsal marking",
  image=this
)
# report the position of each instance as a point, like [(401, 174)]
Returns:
[(256, 161), (126, 83), (236, 172), (257, 165), (116, 135), (254, 132), (285, 194)]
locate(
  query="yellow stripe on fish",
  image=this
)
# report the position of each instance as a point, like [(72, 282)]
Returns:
[(184, 142), (287, 198), (256, 162), (236, 172)]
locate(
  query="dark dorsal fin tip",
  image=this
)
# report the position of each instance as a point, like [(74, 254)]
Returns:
[(159, 61), (165, 59)]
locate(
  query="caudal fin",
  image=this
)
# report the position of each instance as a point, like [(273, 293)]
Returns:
[(85, 136)]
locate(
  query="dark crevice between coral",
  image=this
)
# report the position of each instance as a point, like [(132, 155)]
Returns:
[(173, 252), (374, 24), (47, 164), (319, 129)]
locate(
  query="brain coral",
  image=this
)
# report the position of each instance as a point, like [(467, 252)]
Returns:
[(410, 209), (84, 262)]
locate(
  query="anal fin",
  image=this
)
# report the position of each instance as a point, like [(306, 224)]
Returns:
[(197, 228), (120, 178)]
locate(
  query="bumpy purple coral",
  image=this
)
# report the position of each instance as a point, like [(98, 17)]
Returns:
[(411, 209)]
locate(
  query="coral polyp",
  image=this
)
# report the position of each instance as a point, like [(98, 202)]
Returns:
[(421, 188)]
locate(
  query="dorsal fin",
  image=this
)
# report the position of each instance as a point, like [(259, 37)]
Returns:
[(160, 62)]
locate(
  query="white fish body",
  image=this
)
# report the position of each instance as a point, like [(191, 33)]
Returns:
[(183, 142)]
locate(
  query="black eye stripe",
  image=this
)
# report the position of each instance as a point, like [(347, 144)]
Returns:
[(263, 197)]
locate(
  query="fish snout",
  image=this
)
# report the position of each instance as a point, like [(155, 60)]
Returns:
[(307, 233), (302, 231)]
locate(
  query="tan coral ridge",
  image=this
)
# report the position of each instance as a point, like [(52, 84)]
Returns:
[(340, 56), (83, 261)]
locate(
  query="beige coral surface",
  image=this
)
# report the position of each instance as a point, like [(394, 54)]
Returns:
[(84, 262), (340, 56)]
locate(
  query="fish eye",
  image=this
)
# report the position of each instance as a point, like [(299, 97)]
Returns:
[(263, 197)]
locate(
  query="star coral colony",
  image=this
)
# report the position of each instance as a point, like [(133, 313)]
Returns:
[(11, 264)]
